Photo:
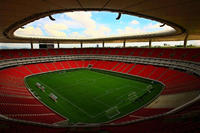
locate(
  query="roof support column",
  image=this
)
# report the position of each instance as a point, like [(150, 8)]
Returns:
[(81, 44), (185, 40), (103, 44), (124, 44), (150, 41), (31, 45), (58, 45)]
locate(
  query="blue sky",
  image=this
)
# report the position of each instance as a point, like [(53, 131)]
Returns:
[(86, 25)]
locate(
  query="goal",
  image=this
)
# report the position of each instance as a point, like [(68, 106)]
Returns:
[(53, 97), (90, 66), (132, 96), (112, 112), (149, 88)]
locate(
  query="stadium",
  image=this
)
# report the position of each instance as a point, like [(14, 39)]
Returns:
[(64, 85)]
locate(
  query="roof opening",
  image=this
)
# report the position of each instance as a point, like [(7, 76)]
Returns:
[(91, 25)]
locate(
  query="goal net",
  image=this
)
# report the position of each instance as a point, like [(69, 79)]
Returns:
[(149, 88), (132, 96), (112, 112)]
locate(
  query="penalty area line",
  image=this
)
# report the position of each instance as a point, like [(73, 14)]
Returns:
[(67, 100)]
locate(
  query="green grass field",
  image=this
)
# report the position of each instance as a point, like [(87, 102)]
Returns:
[(93, 96)]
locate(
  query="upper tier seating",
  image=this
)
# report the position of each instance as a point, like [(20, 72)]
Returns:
[(178, 54)]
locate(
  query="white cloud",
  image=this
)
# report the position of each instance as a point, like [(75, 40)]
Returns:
[(194, 42), (29, 31), (156, 27), (72, 24), (56, 30), (152, 26), (167, 28), (83, 18), (92, 28), (147, 29), (130, 31), (134, 22), (101, 31), (75, 35)]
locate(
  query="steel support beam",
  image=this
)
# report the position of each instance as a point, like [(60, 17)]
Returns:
[(81, 44), (58, 45), (31, 45), (124, 44), (150, 41), (185, 40)]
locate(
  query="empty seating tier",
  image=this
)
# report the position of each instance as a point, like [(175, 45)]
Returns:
[(175, 54)]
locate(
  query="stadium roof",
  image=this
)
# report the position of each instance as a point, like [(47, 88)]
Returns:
[(182, 15)]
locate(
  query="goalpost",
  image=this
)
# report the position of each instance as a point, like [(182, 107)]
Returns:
[(149, 88), (112, 112), (90, 66), (132, 96), (53, 97), (40, 86)]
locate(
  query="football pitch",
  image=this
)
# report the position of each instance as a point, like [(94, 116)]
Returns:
[(93, 96)]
